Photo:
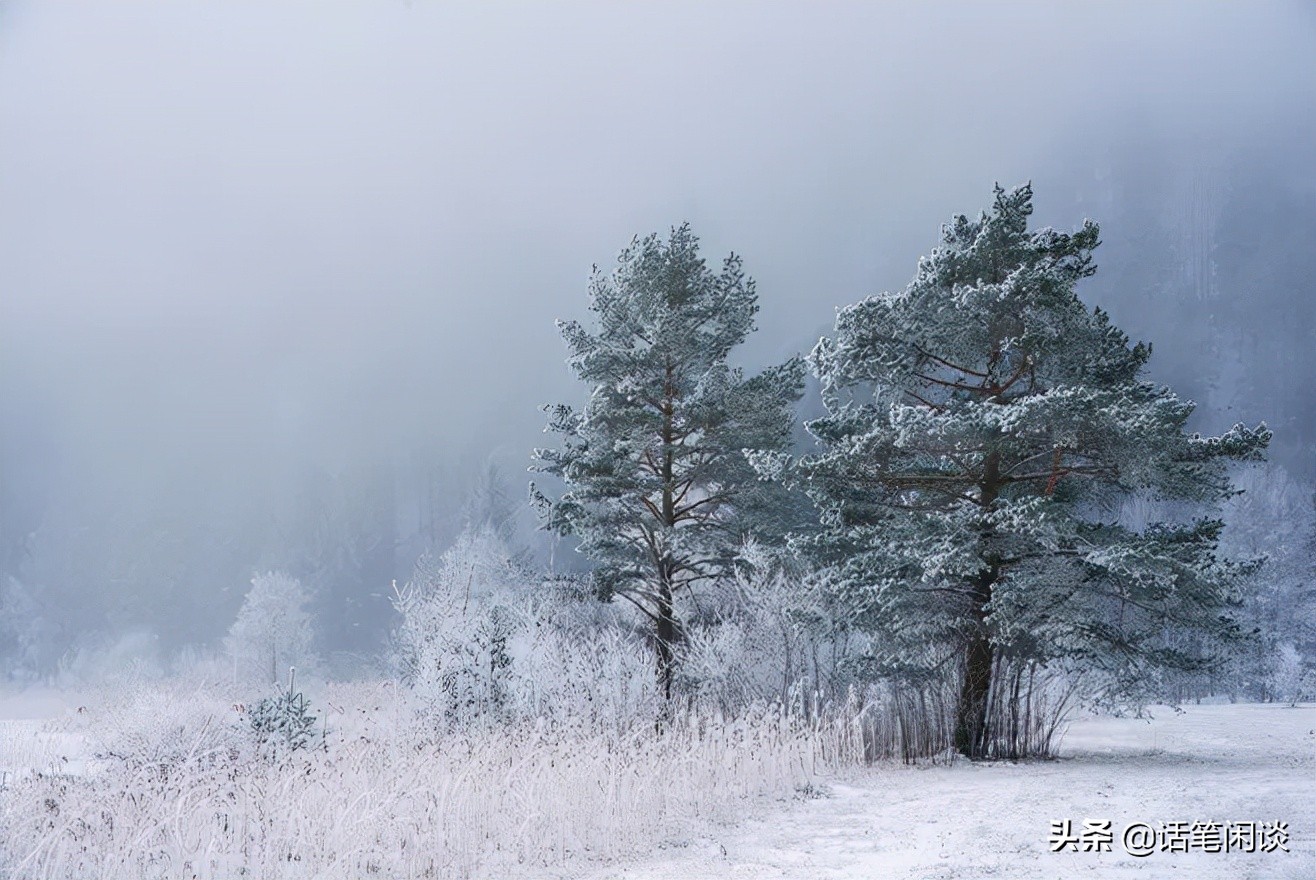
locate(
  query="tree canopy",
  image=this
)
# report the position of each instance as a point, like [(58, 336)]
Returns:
[(658, 490), (983, 429)]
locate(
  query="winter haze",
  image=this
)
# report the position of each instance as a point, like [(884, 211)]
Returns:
[(276, 278)]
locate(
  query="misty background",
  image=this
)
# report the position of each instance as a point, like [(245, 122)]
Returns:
[(278, 282)]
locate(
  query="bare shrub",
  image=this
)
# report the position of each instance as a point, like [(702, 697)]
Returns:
[(1027, 707)]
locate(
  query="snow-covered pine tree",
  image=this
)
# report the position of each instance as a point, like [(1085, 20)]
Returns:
[(982, 427), (658, 490)]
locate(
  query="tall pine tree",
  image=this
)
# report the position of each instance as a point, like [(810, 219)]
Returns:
[(983, 428), (658, 490)]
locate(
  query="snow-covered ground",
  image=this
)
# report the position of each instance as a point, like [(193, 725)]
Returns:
[(1218, 763), (33, 735), (1225, 763)]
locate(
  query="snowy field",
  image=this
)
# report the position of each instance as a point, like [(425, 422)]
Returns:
[(1219, 763), (1226, 763)]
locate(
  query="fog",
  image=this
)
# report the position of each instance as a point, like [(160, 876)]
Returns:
[(277, 279)]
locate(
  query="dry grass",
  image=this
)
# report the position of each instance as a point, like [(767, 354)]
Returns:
[(386, 796)]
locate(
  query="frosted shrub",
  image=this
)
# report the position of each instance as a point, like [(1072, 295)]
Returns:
[(776, 635), (1029, 703), (273, 630), (1290, 679), (480, 641), (161, 725), (458, 613), (603, 675)]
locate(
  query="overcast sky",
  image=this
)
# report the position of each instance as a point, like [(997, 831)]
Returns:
[(237, 235)]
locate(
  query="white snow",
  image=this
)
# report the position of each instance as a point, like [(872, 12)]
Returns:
[(1226, 763), (1217, 763)]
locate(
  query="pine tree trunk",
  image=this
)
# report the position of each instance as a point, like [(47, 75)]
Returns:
[(666, 637), (971, 734), (666, 620)]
